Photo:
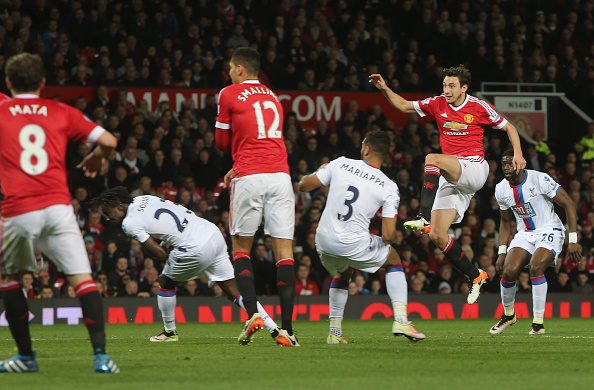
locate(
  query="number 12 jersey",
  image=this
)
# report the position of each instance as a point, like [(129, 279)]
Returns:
[(254, 115)]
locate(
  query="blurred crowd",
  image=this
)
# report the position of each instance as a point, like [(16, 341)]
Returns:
[(306, 45)]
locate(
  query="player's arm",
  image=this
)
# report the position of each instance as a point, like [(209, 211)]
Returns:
[(574, 250), (223, 139), (93, 162), (397, 101), (389, 229), (512, 133), (309, 182), (154, 250), (505, 237)]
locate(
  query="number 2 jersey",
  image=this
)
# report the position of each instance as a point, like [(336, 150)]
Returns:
[(254, 115), (530, 201), (357, 191), (34, 134), (171, 223)]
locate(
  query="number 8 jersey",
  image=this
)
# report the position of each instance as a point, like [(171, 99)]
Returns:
[(254, 115), (357, 191), (34, 134), (530, 201)]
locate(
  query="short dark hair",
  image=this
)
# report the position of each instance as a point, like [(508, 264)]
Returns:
[(508, 152), (460, 72), (248, 58), (25, 71), (113, 197), (378, 141)]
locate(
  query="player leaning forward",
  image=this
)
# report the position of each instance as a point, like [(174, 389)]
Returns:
[(198, 249), (357, 190), (528, 196), (452, 178), (36, 210)]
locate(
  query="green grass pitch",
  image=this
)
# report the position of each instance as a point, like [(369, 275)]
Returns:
[(457, 354)]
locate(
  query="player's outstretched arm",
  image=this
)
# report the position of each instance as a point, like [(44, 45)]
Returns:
[(93, 162), (574, 250), (397, 101), (505, 237), (309, 183), (518, 160)]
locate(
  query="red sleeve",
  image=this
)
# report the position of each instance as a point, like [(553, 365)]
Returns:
[(79, 125), (223, 139)]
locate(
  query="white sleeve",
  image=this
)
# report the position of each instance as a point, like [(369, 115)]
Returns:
[(391, 202), (133, 229), (498, 196), (325, 174), (548, 186)]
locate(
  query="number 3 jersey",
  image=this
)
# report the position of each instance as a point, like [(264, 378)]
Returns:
[(34, 134), (357, 191), (530, 201), (171, 223), (254, 115)]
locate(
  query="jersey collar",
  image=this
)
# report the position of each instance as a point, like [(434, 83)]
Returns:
[(26, 96), (251, 82), (461, 105), (372, 166)]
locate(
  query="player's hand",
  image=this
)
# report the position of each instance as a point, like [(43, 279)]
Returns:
[(378, 81), (92, 163), (499, 264), (228, 177), (519, 163), (574, 252)]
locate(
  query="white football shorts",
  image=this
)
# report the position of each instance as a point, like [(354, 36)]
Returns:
[(457, 196), (551, 239), (211, 260), (370, 257), (55, 231), (267, 195)]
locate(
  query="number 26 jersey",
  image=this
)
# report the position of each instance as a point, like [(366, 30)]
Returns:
[(530, 201), (357, 191)]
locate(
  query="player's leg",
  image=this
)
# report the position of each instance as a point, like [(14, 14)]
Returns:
[(339, 294), (436, 165), (256, 322), (541, 259), (441, 222), (65, 246), (398, 292), (167, 301), (245, 215), (515, 260), (279, 216), (18, 235)]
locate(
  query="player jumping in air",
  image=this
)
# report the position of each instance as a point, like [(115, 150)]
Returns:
[(357, 190), (528, 196), (452, 178)]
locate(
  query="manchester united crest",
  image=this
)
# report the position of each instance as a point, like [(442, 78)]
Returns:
[(468, 118)]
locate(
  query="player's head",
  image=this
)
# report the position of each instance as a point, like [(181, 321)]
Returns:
[(25, 73), (114, 203), (244, 64), (376, 143), (507, 165), (456, 81)]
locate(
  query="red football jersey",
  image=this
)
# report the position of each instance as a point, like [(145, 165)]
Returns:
[(34, 133), (255, 116), (461, 128)]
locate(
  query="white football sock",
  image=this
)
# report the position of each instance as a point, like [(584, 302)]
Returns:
[(508, 296), (539, 297), (167, 305)]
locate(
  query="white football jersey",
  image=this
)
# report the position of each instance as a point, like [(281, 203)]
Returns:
[(357, 191), (173, 224), (530, 201)]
